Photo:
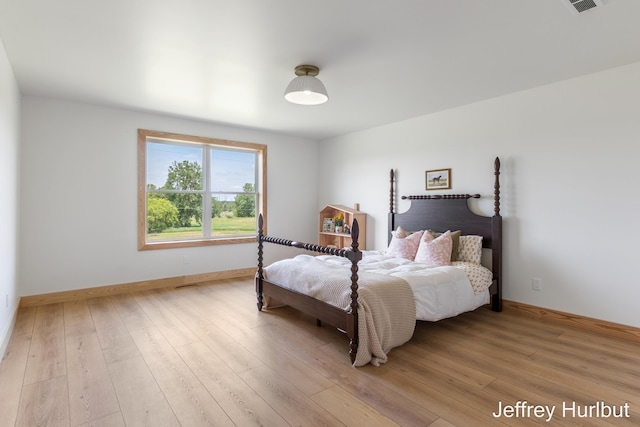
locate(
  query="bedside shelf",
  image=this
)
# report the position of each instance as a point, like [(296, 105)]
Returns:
[(341, 240)]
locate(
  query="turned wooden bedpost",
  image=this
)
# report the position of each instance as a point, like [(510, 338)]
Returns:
[(353, 342), (259, 275), (496, 187), (391, 182), (391, 203), (496, 259)]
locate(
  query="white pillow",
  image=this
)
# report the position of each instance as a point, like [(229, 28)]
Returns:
[(470, 249)]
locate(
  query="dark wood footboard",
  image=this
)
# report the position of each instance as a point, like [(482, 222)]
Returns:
[(345, 320)]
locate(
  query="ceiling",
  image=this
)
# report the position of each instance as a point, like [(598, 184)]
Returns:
[(382, 61)]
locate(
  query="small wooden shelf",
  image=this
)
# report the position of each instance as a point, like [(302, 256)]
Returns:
[(341, 240)]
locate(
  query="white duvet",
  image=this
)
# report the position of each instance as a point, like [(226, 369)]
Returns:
[(439, 292)]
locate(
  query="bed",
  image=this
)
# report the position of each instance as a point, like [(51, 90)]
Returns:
[(376, 297)]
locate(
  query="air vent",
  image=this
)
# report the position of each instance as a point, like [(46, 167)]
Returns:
[(579, 6)]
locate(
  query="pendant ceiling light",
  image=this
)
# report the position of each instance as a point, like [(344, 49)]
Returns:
[(306, 89)]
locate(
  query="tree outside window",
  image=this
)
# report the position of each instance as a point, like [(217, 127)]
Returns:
[(196, 191)]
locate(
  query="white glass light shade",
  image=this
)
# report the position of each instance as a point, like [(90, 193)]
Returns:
[(306, 90)]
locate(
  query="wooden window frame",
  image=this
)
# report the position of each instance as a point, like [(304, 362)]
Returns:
[(261, 203)]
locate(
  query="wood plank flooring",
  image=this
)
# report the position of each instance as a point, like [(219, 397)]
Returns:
[(204, 356)]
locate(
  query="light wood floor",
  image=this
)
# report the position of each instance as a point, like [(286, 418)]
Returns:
[(204, 355)]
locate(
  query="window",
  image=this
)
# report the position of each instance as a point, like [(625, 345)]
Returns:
[(195, 191)]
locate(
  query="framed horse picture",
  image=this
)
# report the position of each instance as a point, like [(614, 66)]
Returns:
[(438, 179)]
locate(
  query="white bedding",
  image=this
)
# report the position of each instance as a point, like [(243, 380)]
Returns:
[(386, 309), (439, 292)]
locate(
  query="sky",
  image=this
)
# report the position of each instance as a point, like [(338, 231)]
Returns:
[(231, 169)]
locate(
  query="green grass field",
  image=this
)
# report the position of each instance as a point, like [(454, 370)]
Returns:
[(220, 227)]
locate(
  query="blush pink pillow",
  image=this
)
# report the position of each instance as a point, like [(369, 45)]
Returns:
[(435, 251), (403, 245)]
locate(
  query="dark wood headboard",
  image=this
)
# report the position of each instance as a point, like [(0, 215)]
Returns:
[(452, 212)]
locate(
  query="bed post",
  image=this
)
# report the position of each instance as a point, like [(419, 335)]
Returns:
[(259, 276), (353, 342), (391, 200), (496, 259)]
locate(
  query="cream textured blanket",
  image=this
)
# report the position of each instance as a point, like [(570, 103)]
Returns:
[(386, 305), (386, 317)]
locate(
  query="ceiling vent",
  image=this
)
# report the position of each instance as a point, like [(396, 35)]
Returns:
[(579, 6)]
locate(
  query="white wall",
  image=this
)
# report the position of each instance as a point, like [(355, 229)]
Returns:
[(79, 197), (570, 154), (9, 153)]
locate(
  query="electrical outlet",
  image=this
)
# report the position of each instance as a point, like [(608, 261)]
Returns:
[(185, 259), (536, 284)]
